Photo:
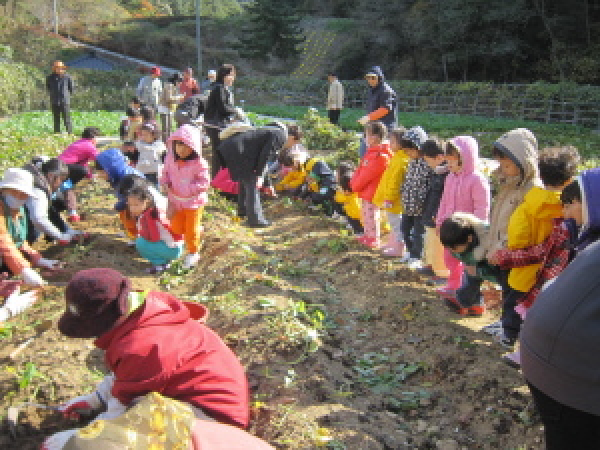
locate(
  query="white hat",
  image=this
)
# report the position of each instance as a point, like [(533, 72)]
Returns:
[(212, 72), (18, 179)]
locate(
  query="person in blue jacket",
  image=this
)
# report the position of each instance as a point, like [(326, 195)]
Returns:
[(382, 103)]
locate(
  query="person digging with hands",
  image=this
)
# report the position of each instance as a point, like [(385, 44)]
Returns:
[(151, 344), (16, 302), (17, 257)]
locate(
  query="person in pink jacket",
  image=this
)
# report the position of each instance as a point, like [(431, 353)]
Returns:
[(186, 179), (77, 156), (465, 190)]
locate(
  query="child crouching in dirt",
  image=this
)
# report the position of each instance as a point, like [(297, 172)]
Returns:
[(346, 203), (111, 165), (156, 240), (151, 344), (187, 179)]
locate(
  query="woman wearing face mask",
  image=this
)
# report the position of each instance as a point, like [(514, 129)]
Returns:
[(16, 256), (42, 214)]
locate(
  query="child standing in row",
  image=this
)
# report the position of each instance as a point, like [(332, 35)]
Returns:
[(465, 190), (366, 179), (414, 190), (151, 152), (186, 179), (433, 152), (388, 197)]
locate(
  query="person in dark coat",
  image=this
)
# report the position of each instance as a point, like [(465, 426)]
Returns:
[(219, 111), (247, 156), (382, 103), (60, 86)]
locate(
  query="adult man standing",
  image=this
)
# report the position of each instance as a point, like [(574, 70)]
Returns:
[(335, 98), (60, 86), (381, 102), (188, 84), (150, 88)]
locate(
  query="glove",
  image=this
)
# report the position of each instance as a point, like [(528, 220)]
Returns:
[(32, 278), (64, 239), (363, 120), (58, 440), (16, 302), (51, 264), (84, 404)]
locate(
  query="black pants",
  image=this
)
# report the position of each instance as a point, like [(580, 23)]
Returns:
[(354, 223), (334, 116), (412, 232), (325, 199), (249, 201), (511, 320), (216, 162), (566, 428), (63, 109)]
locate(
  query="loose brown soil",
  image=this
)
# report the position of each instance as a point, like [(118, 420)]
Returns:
[(392, 367)]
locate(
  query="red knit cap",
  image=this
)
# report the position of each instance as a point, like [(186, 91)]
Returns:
[(96, 298)]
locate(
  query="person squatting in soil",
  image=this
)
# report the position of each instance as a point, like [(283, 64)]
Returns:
[(151, 344), (345, 202)]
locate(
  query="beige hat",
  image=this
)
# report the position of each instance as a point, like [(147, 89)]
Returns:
[(58, 65), (18, 179)]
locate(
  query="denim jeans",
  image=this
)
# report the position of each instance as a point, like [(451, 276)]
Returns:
[(566, 428), (412, 232)]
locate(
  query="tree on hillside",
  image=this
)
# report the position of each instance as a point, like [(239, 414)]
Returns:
[(210, 8), (273, 29)]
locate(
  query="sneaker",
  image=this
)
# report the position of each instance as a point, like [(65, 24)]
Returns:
[(404, 259), (445, 291), (191, 260), (426, 271), (505, 341), (513, 359), (493, 328), (74, 218), (414, 264), (160, 268)]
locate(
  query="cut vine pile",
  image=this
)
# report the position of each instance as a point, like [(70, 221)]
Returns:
[(344, 349)]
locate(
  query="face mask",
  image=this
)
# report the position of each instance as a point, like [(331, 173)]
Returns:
[(12, 202)]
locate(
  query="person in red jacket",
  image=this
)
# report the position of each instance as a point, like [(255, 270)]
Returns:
[(366, 179), (151, 344)]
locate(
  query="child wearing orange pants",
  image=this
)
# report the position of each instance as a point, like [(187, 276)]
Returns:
[(186, 179)]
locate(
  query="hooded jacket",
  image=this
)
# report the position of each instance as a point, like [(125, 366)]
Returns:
[(530, 224), (391, 182), (521, 146), (468, 190), (246, 154), (589, 183), (187, 180), (159, 348), (368, 174), (559, 338), (382, 96), (79, 152)]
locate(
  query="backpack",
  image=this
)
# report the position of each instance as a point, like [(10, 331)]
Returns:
[(190, 109)]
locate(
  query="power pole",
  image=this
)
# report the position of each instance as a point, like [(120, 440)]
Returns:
[(55, 17), (198, 38)]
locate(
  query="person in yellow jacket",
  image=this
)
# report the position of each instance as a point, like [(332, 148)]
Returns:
[(388, 194), (295, 178), (530, 224), (345, 202)]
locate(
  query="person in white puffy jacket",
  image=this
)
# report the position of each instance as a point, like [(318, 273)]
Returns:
[(151, 152)]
